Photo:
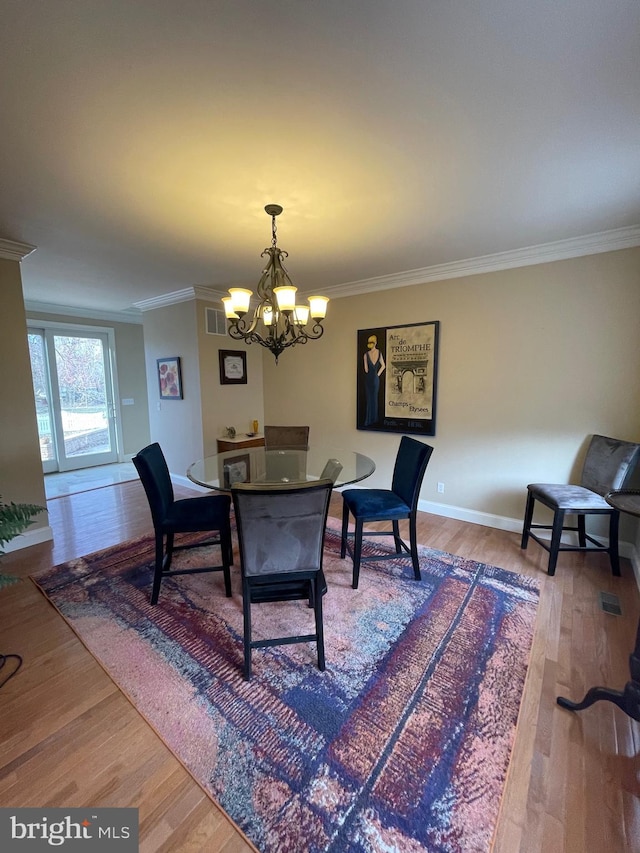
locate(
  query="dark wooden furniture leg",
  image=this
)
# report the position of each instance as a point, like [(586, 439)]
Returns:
[(623, 500), (628, 699)]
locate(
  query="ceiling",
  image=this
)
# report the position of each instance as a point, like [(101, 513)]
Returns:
[(141, 140)]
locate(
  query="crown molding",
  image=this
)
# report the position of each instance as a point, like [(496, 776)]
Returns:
[(12, 251), (209, 294), (126, 316), (575, 247), (186, 295)]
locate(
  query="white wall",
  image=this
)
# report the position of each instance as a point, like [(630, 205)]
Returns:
[(175, 424), (227, 405), (21, 479), (187, 429)]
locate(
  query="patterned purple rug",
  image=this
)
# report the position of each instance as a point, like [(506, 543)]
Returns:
[(402, 744)]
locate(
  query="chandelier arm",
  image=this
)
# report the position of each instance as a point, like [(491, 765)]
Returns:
[(234, 332), (246, 325), (315, 332)]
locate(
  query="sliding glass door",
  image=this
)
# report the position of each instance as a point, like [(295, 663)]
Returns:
[(73, 387)]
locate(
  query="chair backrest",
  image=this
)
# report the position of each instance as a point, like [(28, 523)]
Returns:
[(281, 528), (411, 463), (286, 436), (608, 463), (331, 470), (154, 473)]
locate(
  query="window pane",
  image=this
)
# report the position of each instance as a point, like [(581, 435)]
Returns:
[(41, 393), (83, 395)]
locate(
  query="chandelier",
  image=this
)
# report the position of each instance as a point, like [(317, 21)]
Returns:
[(276, 322)]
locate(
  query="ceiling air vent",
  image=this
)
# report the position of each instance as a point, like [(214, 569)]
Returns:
[(215, 321)]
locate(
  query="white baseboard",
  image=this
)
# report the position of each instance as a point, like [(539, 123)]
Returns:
[(500, 522), (514, 525), (486, 519), (28, 538)]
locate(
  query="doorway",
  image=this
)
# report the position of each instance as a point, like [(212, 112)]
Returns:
[(73, 384)]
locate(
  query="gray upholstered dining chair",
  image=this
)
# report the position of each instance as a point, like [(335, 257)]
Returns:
[(608, 463), (207, 513), (281, 538), (293, 437), (331, 470)]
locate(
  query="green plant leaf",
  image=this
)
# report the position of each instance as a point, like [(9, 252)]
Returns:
[(14, 520)]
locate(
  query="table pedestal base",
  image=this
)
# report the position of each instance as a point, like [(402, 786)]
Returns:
[(628, 699)]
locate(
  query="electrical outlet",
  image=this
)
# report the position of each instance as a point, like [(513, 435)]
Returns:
[(441, 488)]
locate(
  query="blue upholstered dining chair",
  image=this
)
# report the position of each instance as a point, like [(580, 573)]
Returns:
[(189, 515), (281, 538), (394, 504), (607, 465)]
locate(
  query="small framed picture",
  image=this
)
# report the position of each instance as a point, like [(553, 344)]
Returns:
[(170, 378), (233, 367), (237, 470)]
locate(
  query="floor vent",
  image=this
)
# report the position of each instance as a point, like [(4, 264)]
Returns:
[(610, 603)]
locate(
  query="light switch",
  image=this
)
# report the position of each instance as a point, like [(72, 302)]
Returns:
[(128, 401)]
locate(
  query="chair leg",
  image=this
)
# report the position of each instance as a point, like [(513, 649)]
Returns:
[(169, 552), (345, 527), (614, 555), (556, 534), (319, 623), (582, 531), (396, 535), (226, 547), (159, 567), (528, 518), (413, 542), (246, 612), (357, 552)]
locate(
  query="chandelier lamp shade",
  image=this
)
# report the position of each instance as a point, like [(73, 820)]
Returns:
[(275, 321)]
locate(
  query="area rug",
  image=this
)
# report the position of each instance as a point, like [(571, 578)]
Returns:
[(403, 744)]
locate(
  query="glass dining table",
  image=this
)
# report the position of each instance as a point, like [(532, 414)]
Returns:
[(280, 465)]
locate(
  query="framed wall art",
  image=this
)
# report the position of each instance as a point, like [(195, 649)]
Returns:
[(397, 370), (170, 378), (233, 367)]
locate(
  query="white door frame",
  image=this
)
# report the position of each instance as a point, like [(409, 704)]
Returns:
[(107, 333)]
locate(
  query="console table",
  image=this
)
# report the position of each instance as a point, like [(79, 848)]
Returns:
[(625, 500), (239, 442)]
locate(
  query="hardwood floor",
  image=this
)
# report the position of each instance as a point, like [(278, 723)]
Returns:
[(70, 738)]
